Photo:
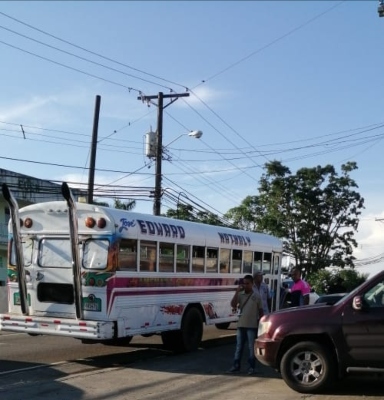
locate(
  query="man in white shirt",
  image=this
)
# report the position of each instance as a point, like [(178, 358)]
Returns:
[(250, 311)]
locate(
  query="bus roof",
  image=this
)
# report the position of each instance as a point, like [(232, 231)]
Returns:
[(129, 224)]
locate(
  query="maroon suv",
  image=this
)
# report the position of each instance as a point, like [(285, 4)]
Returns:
[(312, 346)]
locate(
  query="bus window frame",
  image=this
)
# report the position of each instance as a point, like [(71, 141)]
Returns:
[(197, 268), (166, 262), (212, 260), (86, 244), (224, 262), (42, 245), (239, 261), (129, 266), (151, 260), (181, 265)]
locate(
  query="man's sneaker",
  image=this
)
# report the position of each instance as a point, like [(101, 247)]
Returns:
[(234, 369), (251, 371)]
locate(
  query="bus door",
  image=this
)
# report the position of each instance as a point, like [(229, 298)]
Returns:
[(52, 277)]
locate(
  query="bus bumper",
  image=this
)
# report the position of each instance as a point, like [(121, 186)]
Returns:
[(94, 330)]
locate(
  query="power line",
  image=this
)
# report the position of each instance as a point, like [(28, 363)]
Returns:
[(301, 26), (83, 58), (89, 51), (71, 68)]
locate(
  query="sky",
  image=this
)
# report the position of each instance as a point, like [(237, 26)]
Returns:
[(296, 81)]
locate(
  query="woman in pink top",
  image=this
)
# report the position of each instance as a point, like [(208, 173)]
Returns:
[(300, 289)]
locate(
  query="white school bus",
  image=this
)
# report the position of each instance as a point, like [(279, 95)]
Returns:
[(102, 274)]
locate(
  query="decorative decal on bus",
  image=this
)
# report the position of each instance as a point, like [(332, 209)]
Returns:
[(95, 278), (228, 238), (172, 309), (161, 229), (125, 224), (153, 282), (210, 310)]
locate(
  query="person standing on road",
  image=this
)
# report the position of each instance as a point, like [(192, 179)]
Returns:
[(300, 289), (262, 289), (250, 310)]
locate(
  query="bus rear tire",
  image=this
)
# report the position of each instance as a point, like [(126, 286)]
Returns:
[(170, 339), (192, 329), (123, 341), (223, 325), (188, 338)]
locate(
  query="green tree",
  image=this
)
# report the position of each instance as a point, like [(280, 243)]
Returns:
[(183, 211), (315, 211), (323, 281), (100, 203), (128, 205), (186, 212)]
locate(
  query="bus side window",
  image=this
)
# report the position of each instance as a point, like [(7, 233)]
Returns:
[(257, 261), (236, 260), (182, 258), (224, 260), (212, 261), (198, 257), (128, 255), (167, 256), (247, 262), (276, 264), (148, 255), (267, 263)]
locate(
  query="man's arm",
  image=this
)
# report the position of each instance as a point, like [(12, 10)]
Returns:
[(235, 298)]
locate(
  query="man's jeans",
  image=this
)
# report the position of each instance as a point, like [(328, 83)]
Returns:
[(245, 335)]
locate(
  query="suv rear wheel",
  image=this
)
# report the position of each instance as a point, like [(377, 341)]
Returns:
[(307, 367)]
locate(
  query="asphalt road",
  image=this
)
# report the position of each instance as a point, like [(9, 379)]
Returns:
[(42, 368)]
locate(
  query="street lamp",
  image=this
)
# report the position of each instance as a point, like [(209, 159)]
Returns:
[(178, 202), (194, 134), (380, 9), (155, 149)]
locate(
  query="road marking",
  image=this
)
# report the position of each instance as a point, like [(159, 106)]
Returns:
[(35, 367), (229, 335)]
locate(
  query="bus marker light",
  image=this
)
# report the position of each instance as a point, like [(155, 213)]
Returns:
[(90, 222), (28, 222), (101, 223)]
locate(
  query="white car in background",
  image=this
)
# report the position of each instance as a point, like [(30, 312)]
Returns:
[(288, 283)]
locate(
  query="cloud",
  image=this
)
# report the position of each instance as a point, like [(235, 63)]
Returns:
[(370, 237), (26, 109), (205, 94)]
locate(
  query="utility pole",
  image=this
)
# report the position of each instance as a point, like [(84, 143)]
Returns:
[(91, 176), (159, 140)]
